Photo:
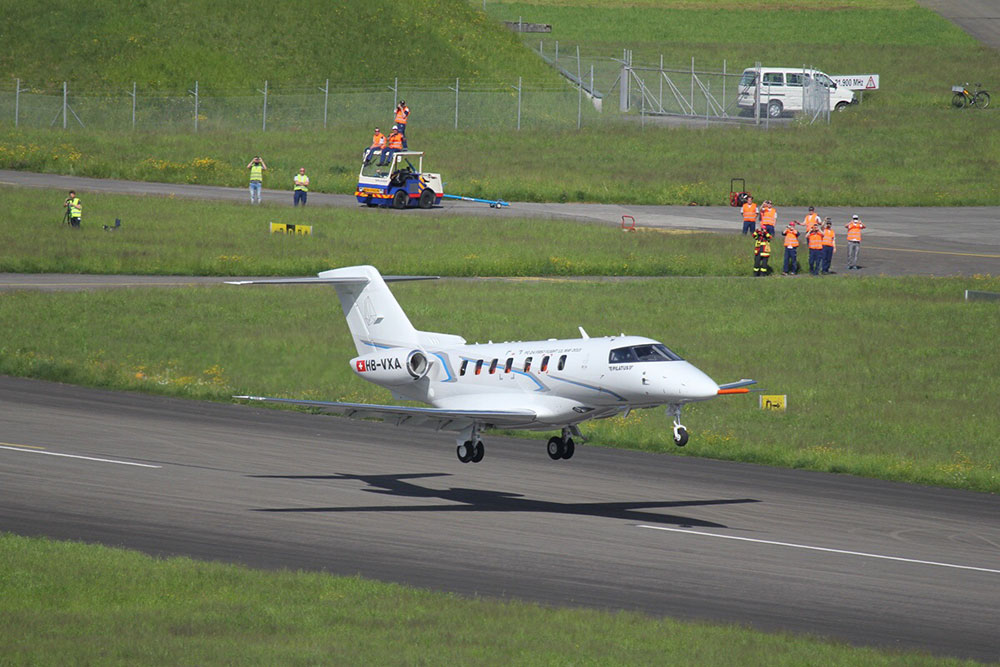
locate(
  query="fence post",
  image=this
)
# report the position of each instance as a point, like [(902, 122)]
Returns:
[(195, 93), (456, 102), (557, 50), (133, 105), (264, 122), (326, 99), (65, 104), (756, 94), (17, 101), (724, 105), (518, 102), (661, 82), (692, 85), (395, 92)]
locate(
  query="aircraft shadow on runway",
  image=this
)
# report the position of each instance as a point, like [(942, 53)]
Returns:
[(482, 500)]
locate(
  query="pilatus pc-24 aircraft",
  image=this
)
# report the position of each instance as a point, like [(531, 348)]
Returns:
[(538, 385)]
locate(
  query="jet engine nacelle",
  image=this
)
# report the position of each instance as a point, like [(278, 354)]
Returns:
[(392, 366)]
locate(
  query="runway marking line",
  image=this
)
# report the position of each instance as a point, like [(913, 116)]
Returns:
[(835, 551), (28, 449), (934, 252)]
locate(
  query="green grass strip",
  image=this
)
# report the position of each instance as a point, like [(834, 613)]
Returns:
[(71, 603)]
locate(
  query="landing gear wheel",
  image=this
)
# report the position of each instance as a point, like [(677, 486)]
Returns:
[(680, 436), (555, 448), (465, 451), (478, 452), (399, 199), (427, 198), (774, 109), (568, 448)]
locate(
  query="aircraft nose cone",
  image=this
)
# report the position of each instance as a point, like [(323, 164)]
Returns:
[(687, 383)]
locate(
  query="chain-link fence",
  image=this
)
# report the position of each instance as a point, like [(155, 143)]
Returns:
[(452, 104)]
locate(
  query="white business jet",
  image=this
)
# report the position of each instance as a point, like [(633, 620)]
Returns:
[(538, 385)]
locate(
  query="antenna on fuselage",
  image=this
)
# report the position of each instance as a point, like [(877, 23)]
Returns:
[(583, 333)]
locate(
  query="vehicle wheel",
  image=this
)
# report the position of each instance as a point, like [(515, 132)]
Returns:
[(555, 448), (465, 451), (399, 199), (569, 447), (478, 452), (841, 106), (982, 100), (774, 108), (427, 198), (369, 203), (958, 100), (681, 436)]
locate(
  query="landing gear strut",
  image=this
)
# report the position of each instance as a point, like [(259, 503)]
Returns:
[(680, 433), (470, 446), (563, 447)]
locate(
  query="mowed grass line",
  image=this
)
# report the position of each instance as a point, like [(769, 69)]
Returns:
[(72, 603), (888, 378), (177, 236)]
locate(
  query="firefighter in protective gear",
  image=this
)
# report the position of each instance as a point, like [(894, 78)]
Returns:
[(392, 145), (378, 143), (768, 217), (790, 264), (811, 220), (301, 189), (761, 253), (74, 209), (402, 115), (815, 239), (854, 228), (749, 211), (829, 245)]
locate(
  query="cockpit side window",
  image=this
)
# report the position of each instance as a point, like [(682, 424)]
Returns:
[(642, 353), (622, 355)]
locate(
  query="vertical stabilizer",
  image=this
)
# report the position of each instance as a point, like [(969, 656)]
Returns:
[(373, 314)]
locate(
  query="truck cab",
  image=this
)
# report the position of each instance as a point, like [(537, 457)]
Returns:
[(401, 183)]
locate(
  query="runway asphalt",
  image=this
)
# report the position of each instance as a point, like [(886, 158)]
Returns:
[(931, 241), (869, 562)]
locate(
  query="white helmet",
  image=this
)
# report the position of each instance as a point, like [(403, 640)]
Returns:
[(395, 127)]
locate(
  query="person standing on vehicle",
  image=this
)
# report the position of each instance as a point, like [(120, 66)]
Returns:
[(256, 168), (74, 210), (402, 115), (854, 228), (829, 245), (392, 145), (788, 267), (761, 253), (811, 220), (301, 187), (815, 239), (378, 143), (768, 217), (749, 211)]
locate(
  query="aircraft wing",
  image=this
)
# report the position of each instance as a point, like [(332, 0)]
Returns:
[(738, 387), (437, 418)]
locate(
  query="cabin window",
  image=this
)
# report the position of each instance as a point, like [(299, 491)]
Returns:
[(510, 364), (479, 367), (773, 79), (465, 365), (794, 80), (545, 363), (562, 362), (527, 364), (493, 367)]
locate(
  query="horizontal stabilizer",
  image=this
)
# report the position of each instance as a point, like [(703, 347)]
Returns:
[(735, 385), (338, 280)]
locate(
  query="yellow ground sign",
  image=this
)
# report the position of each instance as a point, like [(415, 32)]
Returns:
[(281, 228), (775, 402)]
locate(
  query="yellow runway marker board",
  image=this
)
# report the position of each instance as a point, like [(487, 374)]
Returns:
[(281, 228), (776, 402)]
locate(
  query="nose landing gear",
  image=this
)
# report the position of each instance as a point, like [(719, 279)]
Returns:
[(680, 433)]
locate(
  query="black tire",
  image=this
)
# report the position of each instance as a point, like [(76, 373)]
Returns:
[(478, 452), (555, 448), (465, 451), (400, 199), (569, 447), (841, 106), (982, 99), (681, 438), (427, 198), (774, 109), (958, 100)]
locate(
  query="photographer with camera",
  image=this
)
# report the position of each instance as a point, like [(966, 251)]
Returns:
[(256, 168), (74, 210)]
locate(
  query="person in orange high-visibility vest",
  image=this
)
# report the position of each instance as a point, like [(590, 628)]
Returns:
[(815, 239), (829, 245), (811, 220), (854, 228), (768, 217), (790, 265), (393, 144), (761, 253), (749, 211), (378, 143), (402, 115)]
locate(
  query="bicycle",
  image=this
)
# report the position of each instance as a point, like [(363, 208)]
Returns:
[(963, 98)]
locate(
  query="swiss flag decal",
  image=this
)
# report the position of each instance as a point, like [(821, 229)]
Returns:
[(361, 365)]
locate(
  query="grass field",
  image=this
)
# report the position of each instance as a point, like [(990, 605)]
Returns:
[(885, 377), (70, 603)]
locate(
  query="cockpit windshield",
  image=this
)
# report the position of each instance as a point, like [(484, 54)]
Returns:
[(641, 353)]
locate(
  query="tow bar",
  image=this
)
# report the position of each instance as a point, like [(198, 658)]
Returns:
[(494, 203)]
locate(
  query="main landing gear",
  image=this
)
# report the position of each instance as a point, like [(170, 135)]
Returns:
[(563, 447), (680, 433), (470, 446)]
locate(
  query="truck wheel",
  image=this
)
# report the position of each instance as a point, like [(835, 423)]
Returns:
[(841, 106), (774, 108), (427, 198), (399, 199)]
